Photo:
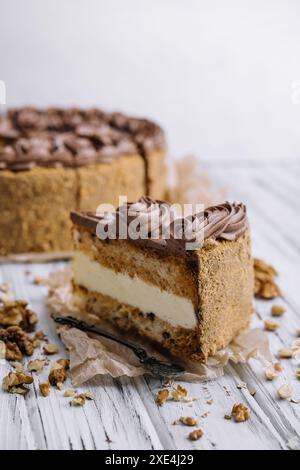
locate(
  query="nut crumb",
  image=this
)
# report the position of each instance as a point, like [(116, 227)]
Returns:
[(162, 396), (188, 421), (50, 349), (252, 391), (57, 375), (278, 310), (17, 313), (285, 391), (44, 388), (240, 413), (265, 285), (195, 435), (285, 353), (70, 392), (79, 400), (297, 373), (38, 280), (36, 365), (18, 366), (15, 382), (228, 417), (272, 372), (209, 402), (180, 393), (17, 342), (271, 325), (241, 385)]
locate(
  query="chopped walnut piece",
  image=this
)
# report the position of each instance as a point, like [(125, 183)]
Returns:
[(65, 363), (278, 310), (36, 365), (16, 313), (162, 396), (18, 366), (228, 417), (44, 388), (272, 372), (278, 367), (38, 280), (285, 353), (195, 435), (265, 285), (240, 413), (285, 391), (70, 392), (188, 421), (79, 400), (50, 349), (15, 382), (271, 325), (57, 375), (297, 373), (180, 393), (38, 338), (209, 402), (17, 343)]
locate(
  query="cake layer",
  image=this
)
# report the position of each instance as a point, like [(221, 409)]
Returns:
[(177, 311), (179, 341)]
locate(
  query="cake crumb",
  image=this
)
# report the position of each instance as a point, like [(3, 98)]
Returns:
[(195, 435), (162, 396), (188, 421), (15, 382), (278, 310), (44, 388), (180, 393), (271, 325), (50, 349), (285, 391), (240, 413)]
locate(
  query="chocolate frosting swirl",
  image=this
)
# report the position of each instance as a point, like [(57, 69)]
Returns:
[(155, 219), (72, 137)]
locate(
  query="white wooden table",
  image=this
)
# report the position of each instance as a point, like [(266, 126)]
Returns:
[(124, 414)]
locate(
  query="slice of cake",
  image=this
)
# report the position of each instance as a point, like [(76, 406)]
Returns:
[(192, 302), (53, 161)]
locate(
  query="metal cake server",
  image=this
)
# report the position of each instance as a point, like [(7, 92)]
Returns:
[(159, 369)]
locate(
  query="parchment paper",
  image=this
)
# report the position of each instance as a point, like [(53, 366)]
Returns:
[(91, 356)]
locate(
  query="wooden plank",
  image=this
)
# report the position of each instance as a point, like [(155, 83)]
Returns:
[(100, 424)]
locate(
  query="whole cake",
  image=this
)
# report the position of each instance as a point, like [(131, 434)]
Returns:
[(191, 301), (56, 160)]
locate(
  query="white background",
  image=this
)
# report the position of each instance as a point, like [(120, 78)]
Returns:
[(217, 74)]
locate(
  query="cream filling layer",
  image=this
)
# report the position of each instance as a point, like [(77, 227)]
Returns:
[(176, 310)]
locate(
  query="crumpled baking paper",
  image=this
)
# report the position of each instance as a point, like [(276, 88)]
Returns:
[(91, 355)]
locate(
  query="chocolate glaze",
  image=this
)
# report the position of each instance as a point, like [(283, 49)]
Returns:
[(226, 221), (72, 137)]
